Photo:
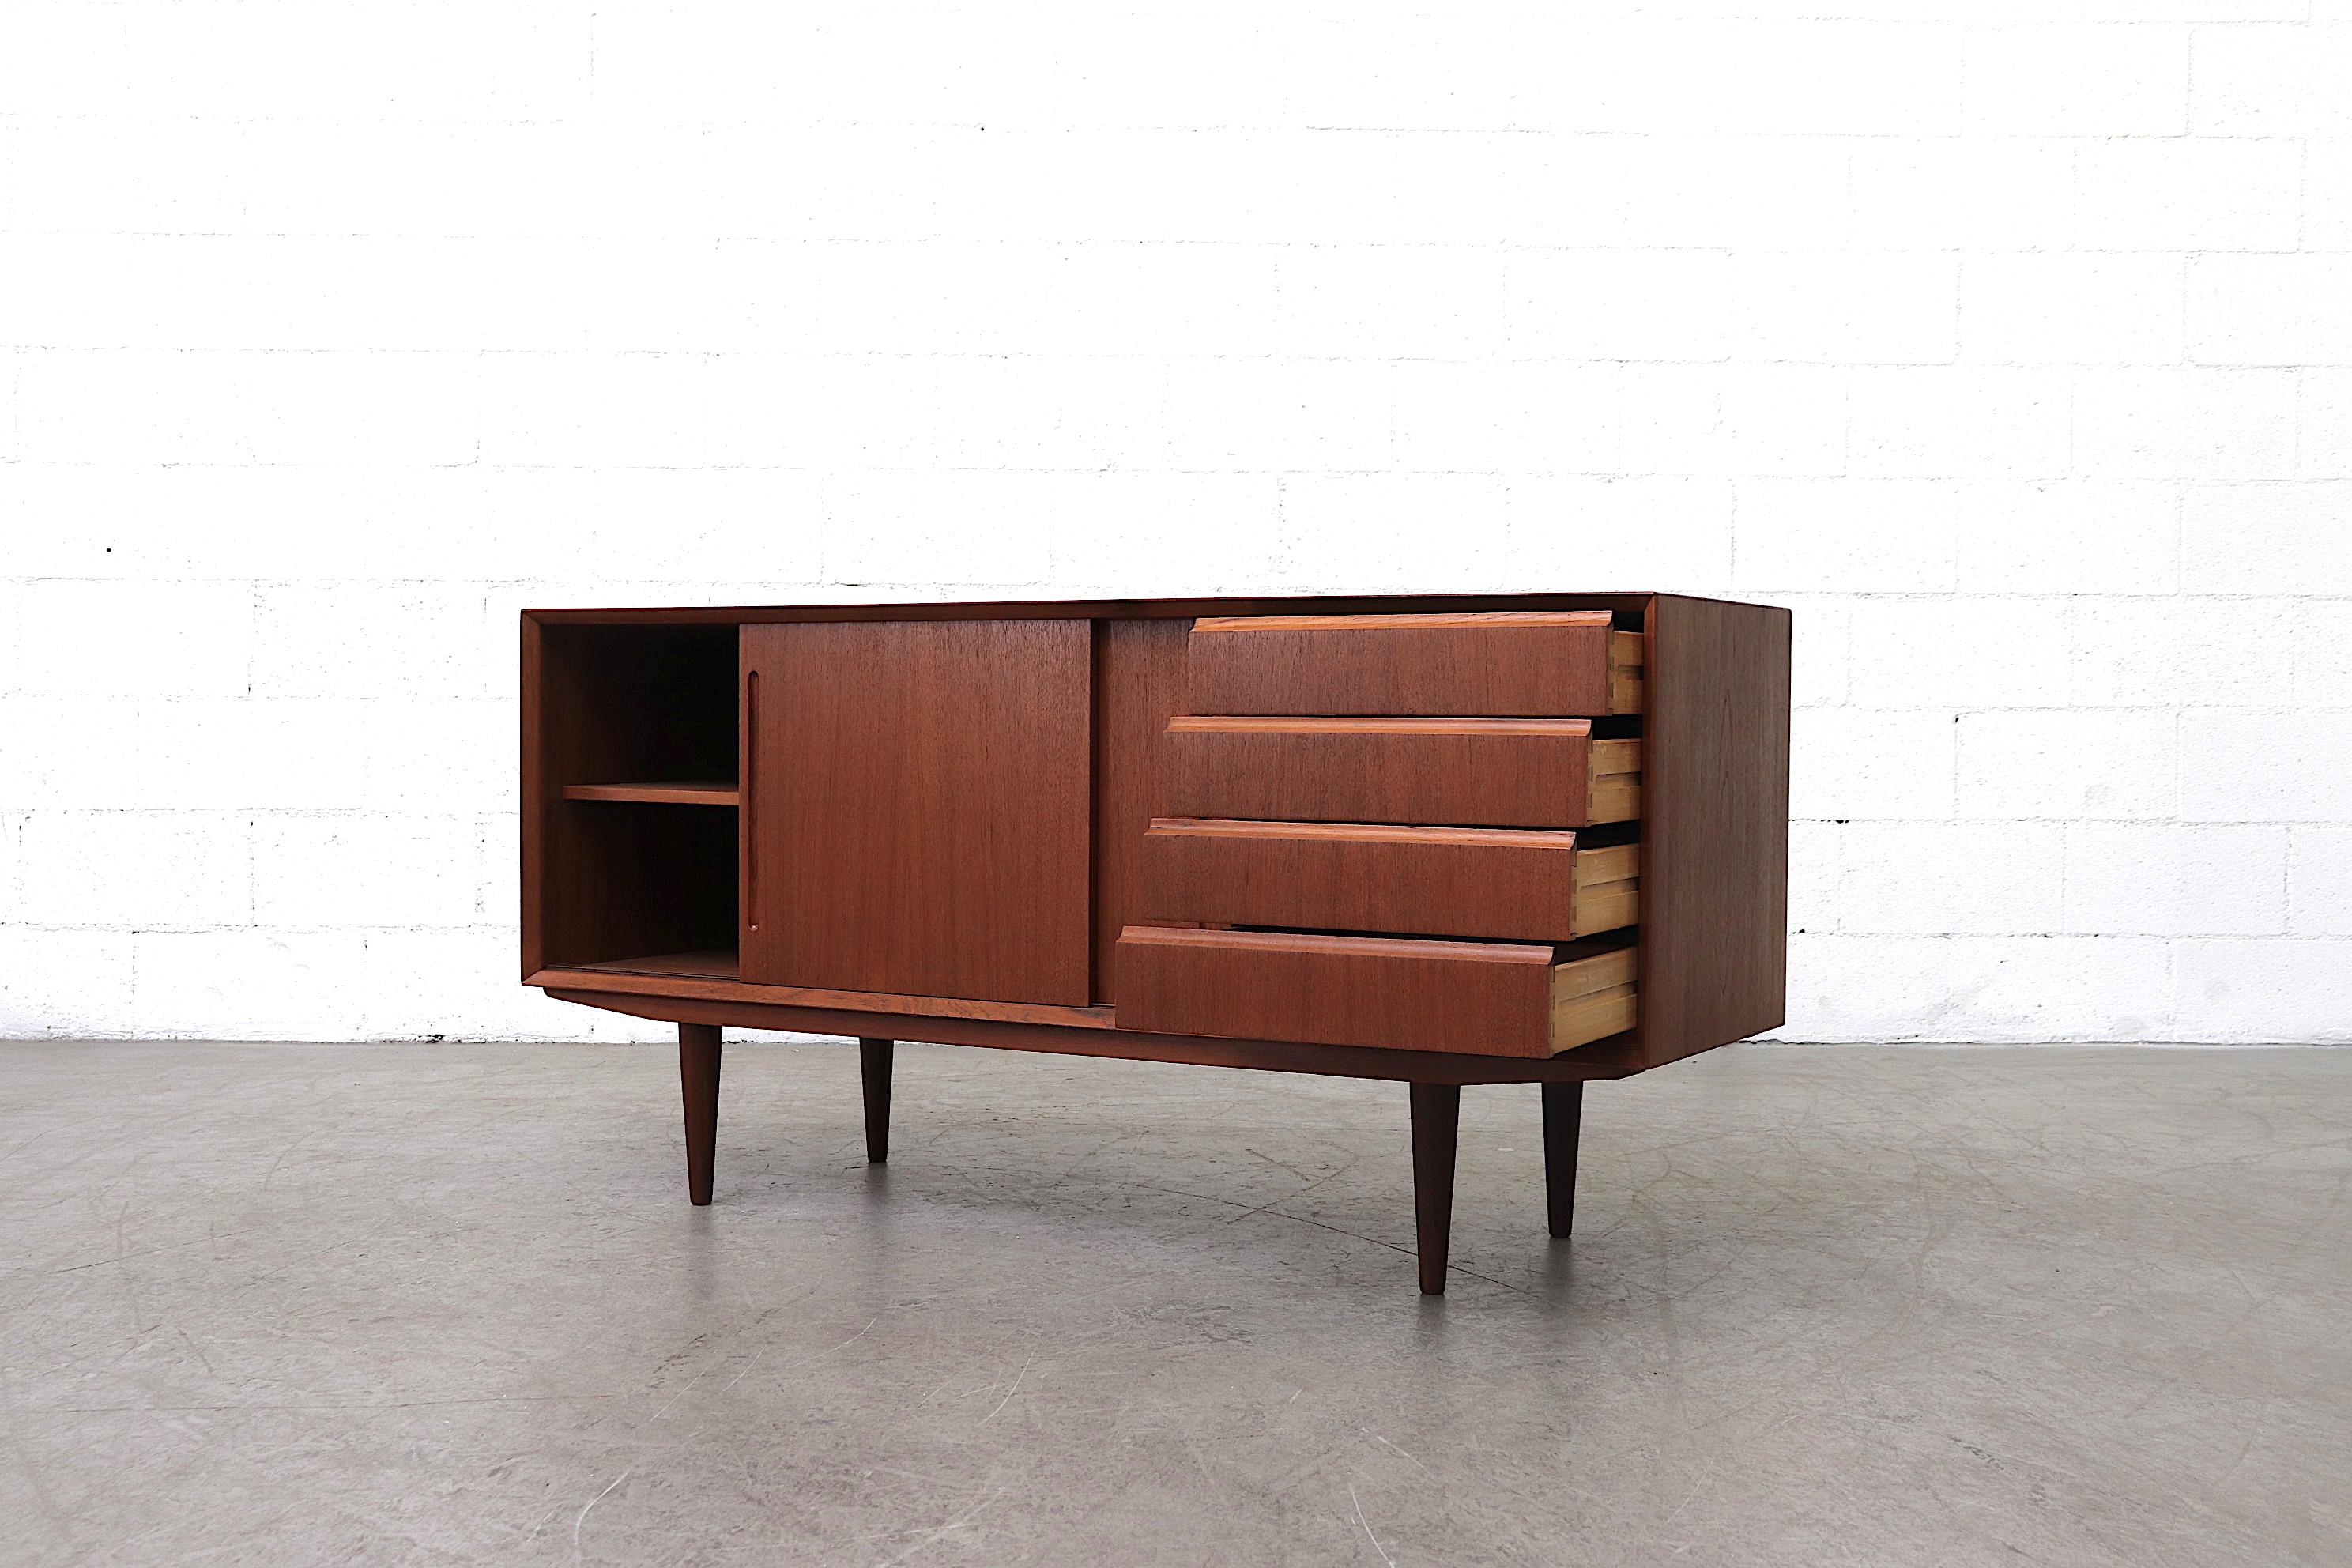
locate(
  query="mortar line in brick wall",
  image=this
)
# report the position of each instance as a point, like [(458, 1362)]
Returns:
[(2302, 388), (1978, 711), (1957, 754), (2171, 985), (2077, 820), (2286, 483), (2178, 762), (487, 932), (493, 931), (2286, 879), (1913, 933), (1731, 550), (612, 117)]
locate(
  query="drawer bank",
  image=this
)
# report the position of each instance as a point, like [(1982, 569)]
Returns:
[(1526, 839)]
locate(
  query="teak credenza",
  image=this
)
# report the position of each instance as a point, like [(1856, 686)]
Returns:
[(1525, 838)]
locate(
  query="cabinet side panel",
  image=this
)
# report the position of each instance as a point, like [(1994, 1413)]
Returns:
[(1714, 828), (1139, 687), (533, 804)]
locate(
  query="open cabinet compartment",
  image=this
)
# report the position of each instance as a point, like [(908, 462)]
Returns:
[(634, 732)]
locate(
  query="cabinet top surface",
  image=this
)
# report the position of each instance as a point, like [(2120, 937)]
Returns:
[(1109, 609)]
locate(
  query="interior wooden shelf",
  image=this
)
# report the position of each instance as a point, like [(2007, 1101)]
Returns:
[(715, 964), (692, 792)]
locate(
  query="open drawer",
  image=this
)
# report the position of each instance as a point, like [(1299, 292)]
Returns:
[(1487, 772), (1501, 999), (1513, 884), (1533, 663)]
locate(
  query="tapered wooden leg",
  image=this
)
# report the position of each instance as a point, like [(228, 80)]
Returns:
[(697, 1071), (1563, 1113), (1436, 1118), (873, 1062)]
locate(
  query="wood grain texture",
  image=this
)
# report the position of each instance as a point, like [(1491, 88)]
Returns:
[(684, 975), (1556, 663), (683, 793), (1479, 998), (919, 808), (1610, 1060), (1502, 773), (1139, 687), (1508, 883), (1715, 851), (710, 963)]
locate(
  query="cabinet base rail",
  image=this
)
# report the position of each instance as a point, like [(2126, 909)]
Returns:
[(1611, 1058), (1435, 1109)]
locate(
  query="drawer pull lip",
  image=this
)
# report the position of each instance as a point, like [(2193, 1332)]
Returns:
[(1414, 620), (1373, 946), (747, 774), (1373, 832), (1377, 724)]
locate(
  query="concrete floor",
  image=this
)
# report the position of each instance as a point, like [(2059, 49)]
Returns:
[(445, 1304)]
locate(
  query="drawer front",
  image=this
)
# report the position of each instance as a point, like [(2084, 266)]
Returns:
[(1487, 772), (1515, 884), (1566, 663), (1477, 998)]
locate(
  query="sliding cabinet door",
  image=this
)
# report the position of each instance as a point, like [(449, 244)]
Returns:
[(916, 807)]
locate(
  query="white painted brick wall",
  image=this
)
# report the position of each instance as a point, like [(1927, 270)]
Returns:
[(2010, 343)]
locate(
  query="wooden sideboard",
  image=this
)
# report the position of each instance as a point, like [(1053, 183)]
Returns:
[(1521, 838)]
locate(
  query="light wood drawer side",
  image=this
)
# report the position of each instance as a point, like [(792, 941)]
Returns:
[(1592, 998), (1614, 782), (1608, 888)]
